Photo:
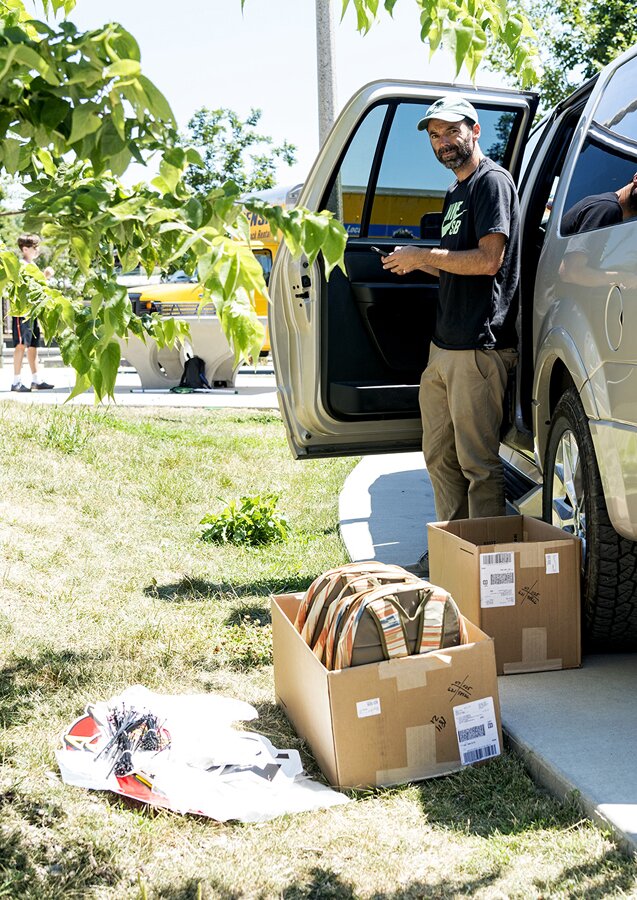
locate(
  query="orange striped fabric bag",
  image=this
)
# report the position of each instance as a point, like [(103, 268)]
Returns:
[(334, 584), (394, 610)]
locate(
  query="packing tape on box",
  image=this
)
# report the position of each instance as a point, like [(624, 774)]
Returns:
[(534, 654), (421, 753), (415, 674), (531, 556)]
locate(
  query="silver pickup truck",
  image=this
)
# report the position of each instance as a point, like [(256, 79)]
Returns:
[(349, 352)]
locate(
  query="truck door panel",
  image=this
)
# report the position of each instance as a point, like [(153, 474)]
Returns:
[(355, 360), (377, 327)]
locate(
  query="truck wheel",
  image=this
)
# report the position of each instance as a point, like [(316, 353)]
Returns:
[(573, 500)]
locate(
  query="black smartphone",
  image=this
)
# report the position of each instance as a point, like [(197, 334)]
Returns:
[(382, 252)]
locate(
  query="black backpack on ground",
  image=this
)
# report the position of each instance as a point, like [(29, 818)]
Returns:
[(194, 374)]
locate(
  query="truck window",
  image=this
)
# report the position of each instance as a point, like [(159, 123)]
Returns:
[(347, 196), (608, 159), (412, 184), (617, 108), (389, 183)]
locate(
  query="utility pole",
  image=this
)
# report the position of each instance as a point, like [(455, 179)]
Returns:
[(325, 68)]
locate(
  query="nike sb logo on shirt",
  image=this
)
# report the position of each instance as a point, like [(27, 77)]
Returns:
[(451, 222)]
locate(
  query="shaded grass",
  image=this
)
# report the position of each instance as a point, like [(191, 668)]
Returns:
[(105, 583)]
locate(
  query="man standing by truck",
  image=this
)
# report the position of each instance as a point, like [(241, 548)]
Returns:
[(474, 342)]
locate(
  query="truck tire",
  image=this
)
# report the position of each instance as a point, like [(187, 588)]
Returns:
[(573, 499)]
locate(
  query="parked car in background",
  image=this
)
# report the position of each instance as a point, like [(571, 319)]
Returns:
[(180, 295), (136, 277), (348, 353)]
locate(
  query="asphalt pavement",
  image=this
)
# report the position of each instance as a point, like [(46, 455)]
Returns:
[(575, 729)]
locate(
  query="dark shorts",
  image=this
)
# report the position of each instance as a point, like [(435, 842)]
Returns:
[(25, 331)]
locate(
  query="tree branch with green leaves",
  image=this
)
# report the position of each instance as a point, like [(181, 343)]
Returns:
[(577, 40), (76, 109)]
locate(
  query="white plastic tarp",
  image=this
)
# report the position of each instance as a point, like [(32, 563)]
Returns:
[(181, 752)]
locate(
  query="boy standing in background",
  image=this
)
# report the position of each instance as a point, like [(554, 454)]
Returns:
[(26, 332)]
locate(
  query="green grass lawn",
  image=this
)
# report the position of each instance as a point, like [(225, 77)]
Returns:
[(105, 583)]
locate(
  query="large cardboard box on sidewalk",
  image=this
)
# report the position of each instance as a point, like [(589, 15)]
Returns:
[(390, 722), (518, 579)]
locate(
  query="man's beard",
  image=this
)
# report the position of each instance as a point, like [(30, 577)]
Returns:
[(461, 153), (632, 199)]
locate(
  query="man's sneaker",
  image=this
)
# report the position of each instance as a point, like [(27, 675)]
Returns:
[(21, 388), (421, 568), (41, 386)]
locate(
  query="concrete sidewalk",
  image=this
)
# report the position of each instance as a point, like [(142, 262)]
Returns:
[(254, 389), (576, 730)]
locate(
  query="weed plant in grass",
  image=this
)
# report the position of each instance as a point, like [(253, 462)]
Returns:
[(106, 583)]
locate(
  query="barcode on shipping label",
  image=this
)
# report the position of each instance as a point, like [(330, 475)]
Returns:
[(367, 708), (497, 579), (552, 563), (477, 730)]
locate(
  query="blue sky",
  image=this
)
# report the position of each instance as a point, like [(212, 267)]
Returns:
[(206, 53)]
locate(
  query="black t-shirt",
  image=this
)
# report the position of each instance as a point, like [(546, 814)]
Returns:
[(592, 212), (479, 311)]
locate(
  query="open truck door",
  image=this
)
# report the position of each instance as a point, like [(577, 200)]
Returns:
[(349, 353)]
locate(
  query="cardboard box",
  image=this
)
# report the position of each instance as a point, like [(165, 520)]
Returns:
[(518, 579), (390, 722)]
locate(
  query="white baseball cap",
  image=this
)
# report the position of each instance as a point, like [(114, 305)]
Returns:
[(451, 108)]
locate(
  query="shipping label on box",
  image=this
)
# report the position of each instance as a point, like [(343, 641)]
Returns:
[(477, 730), (497, 580)]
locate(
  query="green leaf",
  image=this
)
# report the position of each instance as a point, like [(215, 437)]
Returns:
[(313, 235), (110, 142), (85, 121), (119, 162), (30, 57), (168, 178), (11, 155), (123, 68), (108, 362), (462, 38), (82, 384), (334, 247), (54, 112), (11, 264), (157, 103), (82, 254), (194, 212)]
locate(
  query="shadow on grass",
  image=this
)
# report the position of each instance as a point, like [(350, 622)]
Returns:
[(46, 862), (43, 675), (324, 883), (275, 725), (497, 798), (198, 590), (253, 613), (612, 875), (602, 878)]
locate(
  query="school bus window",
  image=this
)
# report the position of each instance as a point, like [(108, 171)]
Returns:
[(265, 261)]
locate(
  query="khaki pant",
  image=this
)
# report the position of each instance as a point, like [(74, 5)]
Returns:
[(461, 395)]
